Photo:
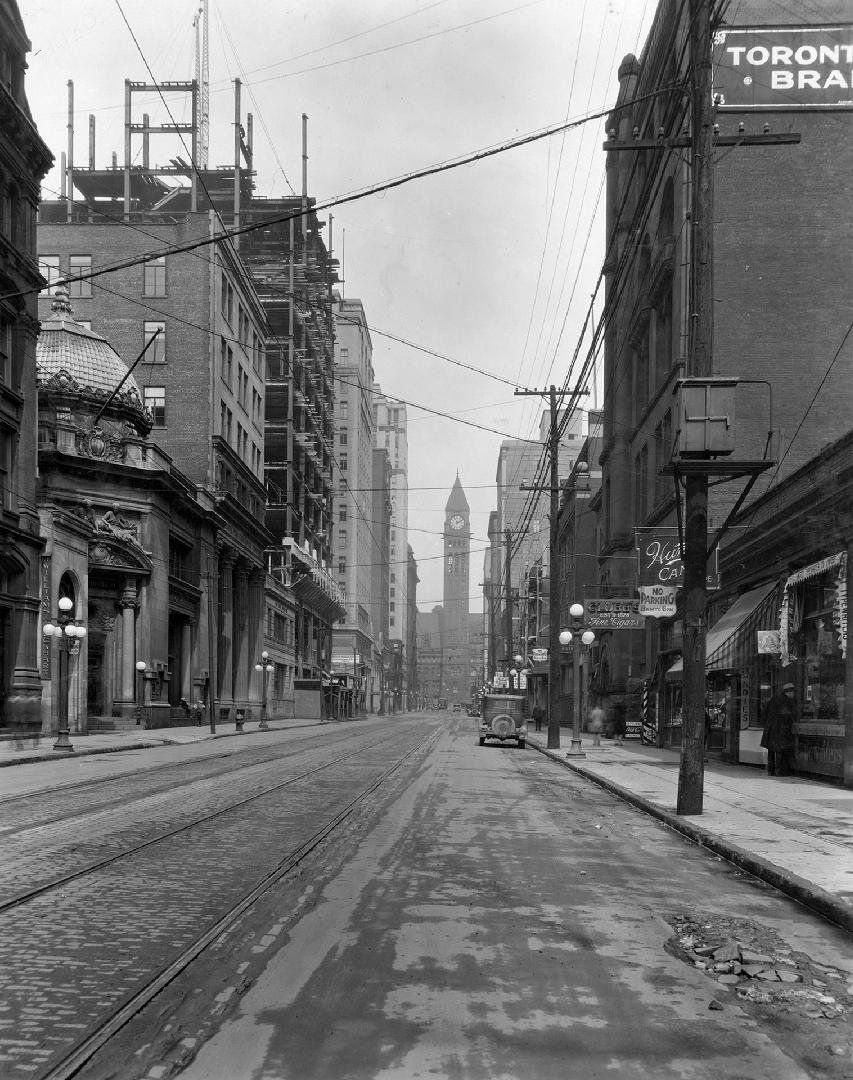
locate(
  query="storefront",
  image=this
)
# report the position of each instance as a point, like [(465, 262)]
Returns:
[(812, 654), (736, 680)]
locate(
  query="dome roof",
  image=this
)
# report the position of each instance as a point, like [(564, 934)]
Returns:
[(71, 358)]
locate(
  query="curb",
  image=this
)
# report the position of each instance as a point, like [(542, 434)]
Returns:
[(64, 755), (804, 892)]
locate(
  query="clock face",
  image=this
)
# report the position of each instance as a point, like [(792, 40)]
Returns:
[(457, 522)]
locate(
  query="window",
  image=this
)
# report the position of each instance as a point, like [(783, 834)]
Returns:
[(342, 514), (343, 408), (154, 399), (344, 434), (343, 463), (342, 566), (226, 361), (157, 352), (227, 299), (154, 277), (342, 537), (5, 470), (49, 270), (344, 355), (5, 349), (79, 264)]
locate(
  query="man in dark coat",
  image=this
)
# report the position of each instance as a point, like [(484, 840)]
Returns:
[(778, 737)]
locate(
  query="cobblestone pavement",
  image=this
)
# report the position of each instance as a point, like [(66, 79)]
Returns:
[(72, 956)]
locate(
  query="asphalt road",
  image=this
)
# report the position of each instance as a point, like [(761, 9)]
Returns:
[(484, 914)]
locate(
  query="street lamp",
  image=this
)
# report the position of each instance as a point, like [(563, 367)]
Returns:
[(265, 668), (68, 633), (140, 692), (586, 638)]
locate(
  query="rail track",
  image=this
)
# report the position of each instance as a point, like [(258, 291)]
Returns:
[(155, 918)]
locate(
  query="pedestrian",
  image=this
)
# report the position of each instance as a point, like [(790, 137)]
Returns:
[(778, 735), (596, 722), (538, 713), (618, 722)]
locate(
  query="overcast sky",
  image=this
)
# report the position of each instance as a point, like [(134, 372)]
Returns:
[(491, 264)]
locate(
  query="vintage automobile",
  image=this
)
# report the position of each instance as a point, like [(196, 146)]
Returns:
[(504, 718)]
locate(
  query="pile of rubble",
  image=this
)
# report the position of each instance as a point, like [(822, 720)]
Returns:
[(763, 971)]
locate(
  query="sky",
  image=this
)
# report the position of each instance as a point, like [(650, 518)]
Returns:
[(492, 264)]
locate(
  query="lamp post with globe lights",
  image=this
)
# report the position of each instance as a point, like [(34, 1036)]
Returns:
[(140, 691), (265, 668), (68, 632), (584, 637)]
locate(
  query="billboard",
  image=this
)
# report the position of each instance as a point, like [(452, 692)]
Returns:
[(802, 67)]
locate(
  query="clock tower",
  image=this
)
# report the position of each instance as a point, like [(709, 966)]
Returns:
[(456, 677)]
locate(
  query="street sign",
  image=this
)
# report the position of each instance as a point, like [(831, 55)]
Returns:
[(615, 614), (657, 601)]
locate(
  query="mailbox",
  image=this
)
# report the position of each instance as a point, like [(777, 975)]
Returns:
[(706, 417)]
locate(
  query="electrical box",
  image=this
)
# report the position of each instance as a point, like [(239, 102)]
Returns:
[(706, 412)]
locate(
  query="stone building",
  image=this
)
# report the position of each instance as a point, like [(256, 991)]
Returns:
[(126, 539), (24, 161)]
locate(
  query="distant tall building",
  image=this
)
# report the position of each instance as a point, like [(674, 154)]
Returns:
[(354, 526), (391, 434), (457, 673), (524, 515)]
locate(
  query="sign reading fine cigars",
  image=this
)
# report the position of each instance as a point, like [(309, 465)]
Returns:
[(803, 67), (621, 614)]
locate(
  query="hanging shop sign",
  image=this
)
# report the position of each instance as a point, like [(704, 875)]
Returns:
[(660, 562), (538, 656), (803, 67), (657, 601), (768, 642), (615, 614)]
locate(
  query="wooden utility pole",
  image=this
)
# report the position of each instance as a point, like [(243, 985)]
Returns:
[(692, 770), (553, 578), (508, 596)]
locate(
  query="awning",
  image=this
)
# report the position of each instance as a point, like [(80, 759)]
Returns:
[(731, 640)]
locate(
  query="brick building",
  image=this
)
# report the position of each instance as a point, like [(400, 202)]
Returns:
[(783, 259)]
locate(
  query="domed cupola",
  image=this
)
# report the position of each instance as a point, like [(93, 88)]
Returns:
[(79, 373)]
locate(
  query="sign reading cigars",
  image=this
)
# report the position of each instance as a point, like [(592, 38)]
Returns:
[(802, 67), (614, 614)]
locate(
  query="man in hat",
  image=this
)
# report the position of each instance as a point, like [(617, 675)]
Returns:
[(778, 736)]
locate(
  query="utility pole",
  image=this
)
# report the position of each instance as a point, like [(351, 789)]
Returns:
[(508, 596), (691, 775), (702, 142), (553, 579)]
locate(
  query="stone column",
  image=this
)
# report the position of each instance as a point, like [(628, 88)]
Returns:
[(257, 580), (225, 627), (187, 661), (241, 633), (128, 605)]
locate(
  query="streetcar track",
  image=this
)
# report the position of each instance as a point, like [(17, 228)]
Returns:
[(102, 781), (100, 1033), (24, 898)]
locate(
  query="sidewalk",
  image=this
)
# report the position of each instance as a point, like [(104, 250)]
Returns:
[(795, 834), (26, 750)]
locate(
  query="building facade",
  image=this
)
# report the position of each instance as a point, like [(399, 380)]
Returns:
[(24, 161), (353, 638), (780, 316)]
